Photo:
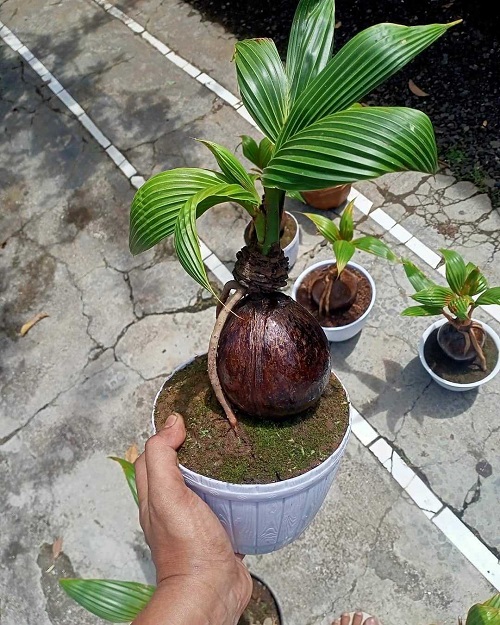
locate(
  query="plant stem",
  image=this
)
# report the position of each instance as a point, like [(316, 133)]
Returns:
[(274, 200)]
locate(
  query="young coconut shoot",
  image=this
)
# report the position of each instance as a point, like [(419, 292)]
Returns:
[(314, 136), (462, 338), (336, 289)]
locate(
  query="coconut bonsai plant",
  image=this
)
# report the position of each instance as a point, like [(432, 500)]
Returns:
[(340, 293), (459, 352), (268, 358)]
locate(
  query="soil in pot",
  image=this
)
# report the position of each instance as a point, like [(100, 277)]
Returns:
[(262, 608), (460, 372), (287, 232), (267, 451), (337, 318)]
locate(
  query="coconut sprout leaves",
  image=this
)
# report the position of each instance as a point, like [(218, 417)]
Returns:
[(263, 84), (422, 311), (487, 613), (114, 601), (352, 145), (416, 276), (343, 251), (475, 281), (346, 225), (325, 227), (434, 296), (231, 167), (266, 150), (456, 270), (129, 472), (490, 296), (250, 149), (186, 240), (460, 306), (374, 246), (366, 61), (157, 203), (310, 43)]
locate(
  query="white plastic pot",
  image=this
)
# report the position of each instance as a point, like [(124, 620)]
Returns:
[(261, 518), (343, 333), (455, 386), (291, 251)]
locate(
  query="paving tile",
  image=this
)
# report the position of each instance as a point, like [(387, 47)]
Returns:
[(400, 233), (424, 252), (382, 218), (381, 449), (362, 429)]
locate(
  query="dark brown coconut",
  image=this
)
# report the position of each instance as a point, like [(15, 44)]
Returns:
[(458, 345), (334, 293), (273, 358)]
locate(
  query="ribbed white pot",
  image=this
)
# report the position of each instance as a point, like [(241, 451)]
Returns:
[(343, 333), (455, 386), (261, 518)]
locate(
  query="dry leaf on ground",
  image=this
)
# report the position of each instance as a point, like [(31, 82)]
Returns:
[(416, 90), (338, 24), (29, 324), (132, 453), (57, 546)]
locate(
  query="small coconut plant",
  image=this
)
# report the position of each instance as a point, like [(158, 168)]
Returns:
[(268, 364), (340, 293), (459, 351)]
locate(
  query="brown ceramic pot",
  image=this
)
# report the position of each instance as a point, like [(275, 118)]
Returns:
[(329, 198)]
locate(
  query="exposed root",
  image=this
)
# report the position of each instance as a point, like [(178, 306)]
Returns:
[(477, 347), (224, 309)]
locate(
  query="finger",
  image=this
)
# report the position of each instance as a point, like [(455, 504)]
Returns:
[(371, 621), (161, 457), (336, 622), (141, 481), (345, 619), (240, 556)]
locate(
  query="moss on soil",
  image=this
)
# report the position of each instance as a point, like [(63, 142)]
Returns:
[(459, 371), (272, 450)]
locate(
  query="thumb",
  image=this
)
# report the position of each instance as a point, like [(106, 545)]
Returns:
[(173, 432)]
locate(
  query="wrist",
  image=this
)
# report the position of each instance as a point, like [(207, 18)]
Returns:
[(182, 600)]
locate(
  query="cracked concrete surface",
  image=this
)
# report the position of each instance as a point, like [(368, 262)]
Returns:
[(79, 386)]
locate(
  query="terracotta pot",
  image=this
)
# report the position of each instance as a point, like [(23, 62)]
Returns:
[(329, 198)]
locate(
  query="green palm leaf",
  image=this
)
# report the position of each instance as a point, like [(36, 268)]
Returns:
[(490, 296), (266, 151), (475, 281), (346, 225), (353, 145), (460, 305), (157, 203), (436, 296), (186, 240), (325, 227), (416, 276), (310, 43), (231, 167), (263, 84), (118, 602), (366, 61), (250, 149), (487, 613), (344, 251), (129, 472), (456, 272), (374, 246), (422, 311)]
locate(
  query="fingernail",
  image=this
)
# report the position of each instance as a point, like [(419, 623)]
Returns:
[(172, 420)]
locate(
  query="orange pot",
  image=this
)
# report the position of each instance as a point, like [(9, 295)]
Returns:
[(329, 198)]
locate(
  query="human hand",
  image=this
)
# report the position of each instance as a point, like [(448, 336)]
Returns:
[(200, 580)]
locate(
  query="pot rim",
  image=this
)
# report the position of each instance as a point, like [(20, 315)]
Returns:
[(273, 595), (361, 269), (469, 385), (260, 491)]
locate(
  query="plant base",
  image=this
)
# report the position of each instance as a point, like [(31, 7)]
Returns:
[(339, 318), (267, 451), (459, 372)]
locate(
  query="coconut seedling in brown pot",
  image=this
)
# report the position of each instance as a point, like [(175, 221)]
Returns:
[(340, 293), (268, 365)]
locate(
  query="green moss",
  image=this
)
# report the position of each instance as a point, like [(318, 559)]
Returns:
[(268, 450)]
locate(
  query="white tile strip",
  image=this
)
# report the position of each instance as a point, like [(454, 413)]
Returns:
[(471, 547), (446, 521)]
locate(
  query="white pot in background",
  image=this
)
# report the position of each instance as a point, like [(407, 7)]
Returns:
[(455, 386), (343, 333), (261, 518)]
